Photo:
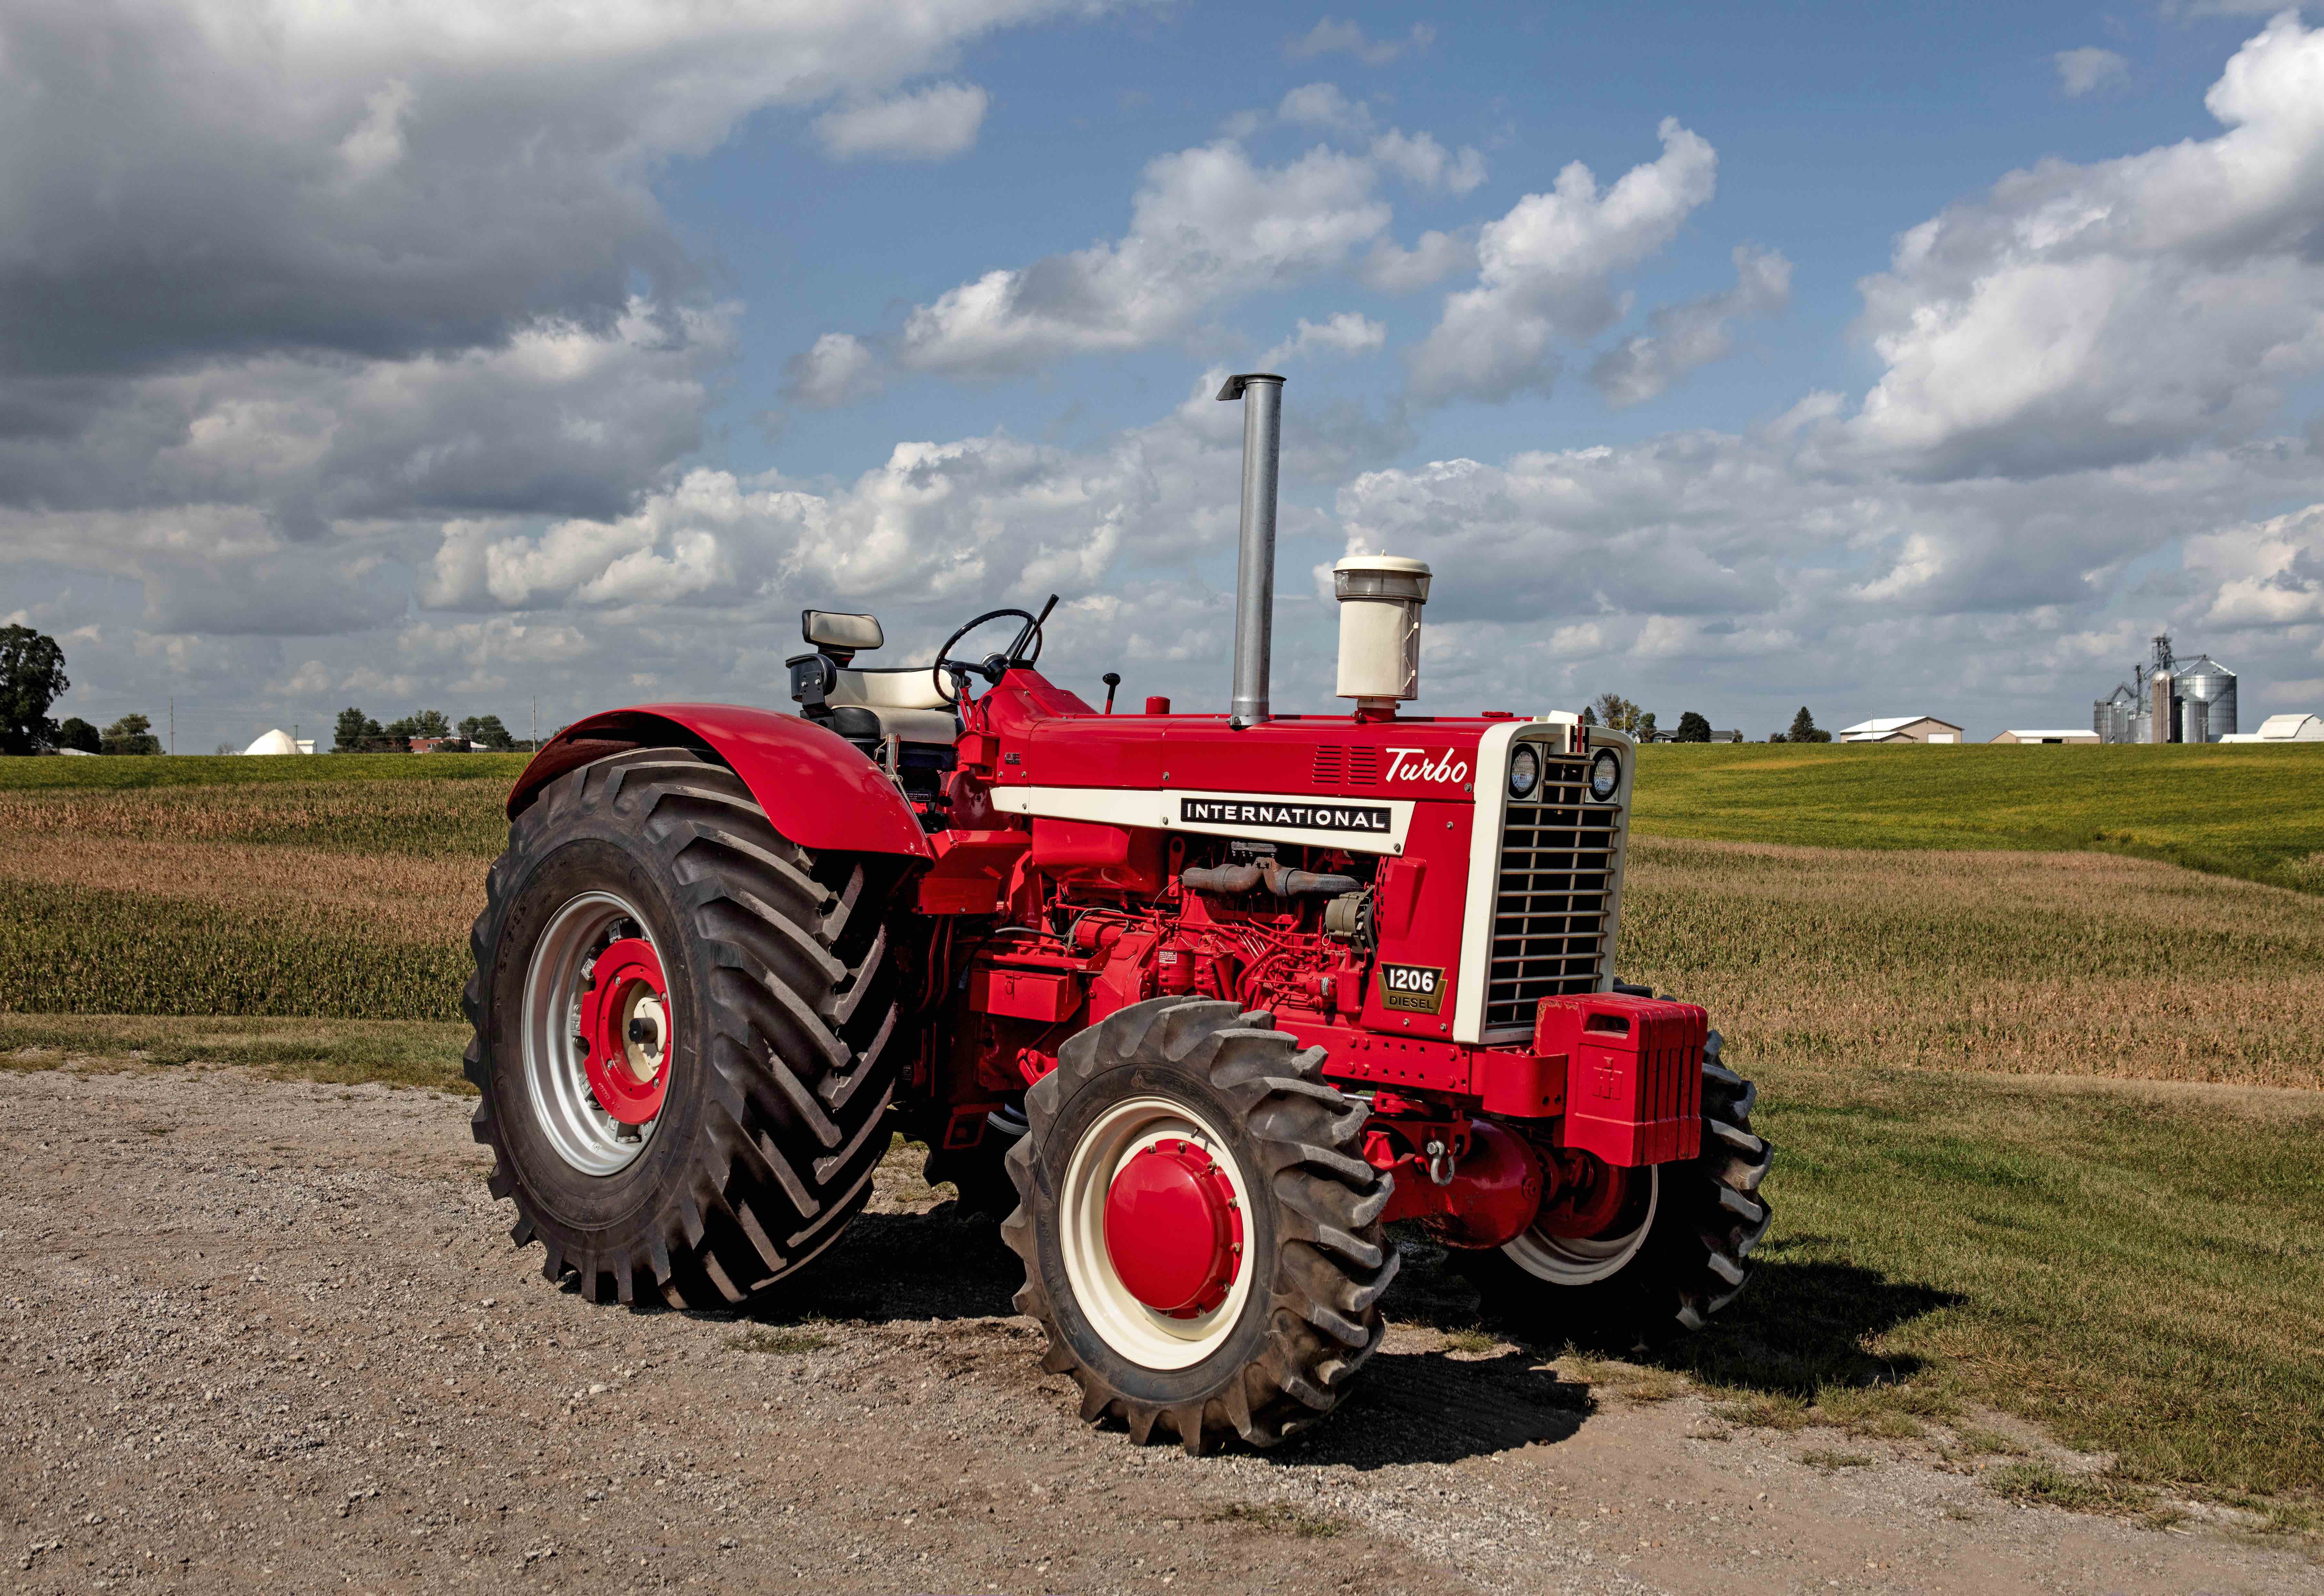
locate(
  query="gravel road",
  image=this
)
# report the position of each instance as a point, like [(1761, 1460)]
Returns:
[(266, 1335)]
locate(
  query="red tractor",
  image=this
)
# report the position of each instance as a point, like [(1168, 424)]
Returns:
[(1197, 1004)]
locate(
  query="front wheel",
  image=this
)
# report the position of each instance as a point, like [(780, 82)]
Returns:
[(1200, 1231), (1634, 1257)]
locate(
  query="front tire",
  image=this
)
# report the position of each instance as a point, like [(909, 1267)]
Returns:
[(1676, 1247), (1226, 1104), (681, 1033)]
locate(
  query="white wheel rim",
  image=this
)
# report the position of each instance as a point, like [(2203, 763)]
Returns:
[(1582, 1261), (580, 1132), (1149, 1339)]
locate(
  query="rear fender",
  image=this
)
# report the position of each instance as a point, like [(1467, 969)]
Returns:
[(817, 789)]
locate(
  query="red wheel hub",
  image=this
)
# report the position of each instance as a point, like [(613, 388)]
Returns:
[(625, 1022), (1590, 1197), (1173, 1230)]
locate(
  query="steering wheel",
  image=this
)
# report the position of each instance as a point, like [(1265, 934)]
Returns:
[(991, 667)]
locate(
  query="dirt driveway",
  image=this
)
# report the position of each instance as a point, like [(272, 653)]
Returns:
[(272, 1336)]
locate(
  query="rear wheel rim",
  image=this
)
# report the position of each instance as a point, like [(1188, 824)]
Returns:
[(1583, 1261), (1148, 1338), (557, 979)]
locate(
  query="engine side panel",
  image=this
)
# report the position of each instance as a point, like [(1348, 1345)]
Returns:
[(815, 786)]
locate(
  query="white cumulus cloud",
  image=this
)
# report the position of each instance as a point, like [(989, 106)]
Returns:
[(1686, 336), (1545, 272)]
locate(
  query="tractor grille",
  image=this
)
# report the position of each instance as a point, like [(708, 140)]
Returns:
[(1553, 898)]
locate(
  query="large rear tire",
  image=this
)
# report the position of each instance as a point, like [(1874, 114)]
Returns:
[(1678, 1251), (716, 1121), (1218, 1091)]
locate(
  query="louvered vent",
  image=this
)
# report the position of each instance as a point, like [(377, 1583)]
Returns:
[(1549, 908), (1347, 767)]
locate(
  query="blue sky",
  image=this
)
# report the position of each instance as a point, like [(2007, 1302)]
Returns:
[(393, 359)]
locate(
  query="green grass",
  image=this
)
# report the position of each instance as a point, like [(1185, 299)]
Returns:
[(2138, 1270), (343, 1052), (2253, 812), (120, 773)]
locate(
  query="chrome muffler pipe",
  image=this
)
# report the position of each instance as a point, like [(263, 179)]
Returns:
[(1261, 394)]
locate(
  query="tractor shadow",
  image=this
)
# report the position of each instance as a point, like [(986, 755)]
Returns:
[(1802, 1328)]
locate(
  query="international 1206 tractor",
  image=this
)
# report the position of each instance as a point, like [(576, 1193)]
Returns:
[(1197, 1004)]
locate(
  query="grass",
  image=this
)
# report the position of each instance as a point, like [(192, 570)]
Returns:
[(2059, 963), (2136, 1268), (341, 1052), (2253, 812)]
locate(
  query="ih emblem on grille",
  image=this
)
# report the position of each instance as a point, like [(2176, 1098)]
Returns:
[(1413, 989)]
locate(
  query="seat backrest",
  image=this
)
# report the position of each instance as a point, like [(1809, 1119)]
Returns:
[(906, 688)]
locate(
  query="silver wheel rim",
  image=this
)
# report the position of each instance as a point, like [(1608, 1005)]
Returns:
[(1147, 1338), (580, 1132), (1572, 1261)]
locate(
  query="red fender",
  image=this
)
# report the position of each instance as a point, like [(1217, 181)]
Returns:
[(815, 787)]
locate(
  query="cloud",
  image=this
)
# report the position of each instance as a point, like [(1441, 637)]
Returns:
[(1331, 35), (1393, 269), (2268, 576), (932, 123), (1545, 272), (2078, 315), (840, 369), (1420, 159), (1686, 336), (1322, 105), (1207, 224), (2088, 70), (1346, 332)]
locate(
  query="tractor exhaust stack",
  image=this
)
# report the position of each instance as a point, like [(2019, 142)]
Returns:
[(1261, 394)]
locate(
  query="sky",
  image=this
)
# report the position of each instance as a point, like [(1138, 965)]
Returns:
[(543, 358)]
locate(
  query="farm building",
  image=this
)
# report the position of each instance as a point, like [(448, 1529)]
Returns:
[(2068, 735), (278, 741), (2283, 728), (1902, 728)]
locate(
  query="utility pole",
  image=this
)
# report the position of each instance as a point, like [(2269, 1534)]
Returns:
[(536, 722), (173, 726)]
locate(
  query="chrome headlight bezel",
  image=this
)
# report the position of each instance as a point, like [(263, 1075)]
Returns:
[(1525, 758), (1605, 775)]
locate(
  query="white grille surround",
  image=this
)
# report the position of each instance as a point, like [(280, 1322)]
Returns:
[(1543, 909)]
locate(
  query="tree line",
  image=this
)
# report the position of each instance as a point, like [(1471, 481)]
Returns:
[(357, 733), (32, 677), (1618, 714)]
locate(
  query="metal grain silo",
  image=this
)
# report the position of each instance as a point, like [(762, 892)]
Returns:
[(2205, 681)]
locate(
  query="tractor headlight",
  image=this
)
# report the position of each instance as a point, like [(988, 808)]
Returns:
[(1605, 774), (1524, 772)]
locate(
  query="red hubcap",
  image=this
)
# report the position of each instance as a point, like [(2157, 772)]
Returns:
[(625, 1022), (1173, 1230), (1591, 1196)]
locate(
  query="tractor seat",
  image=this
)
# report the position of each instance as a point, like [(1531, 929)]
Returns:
[(904, 698)]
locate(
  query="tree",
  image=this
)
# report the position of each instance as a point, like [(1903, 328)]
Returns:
[(1618, 714), (485, 731), (1644, 730), (427, 722), (1805, 729), (1588, 715), (1693, 728), (32, 678), (79, 736), (357, 733), (132, 733)]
